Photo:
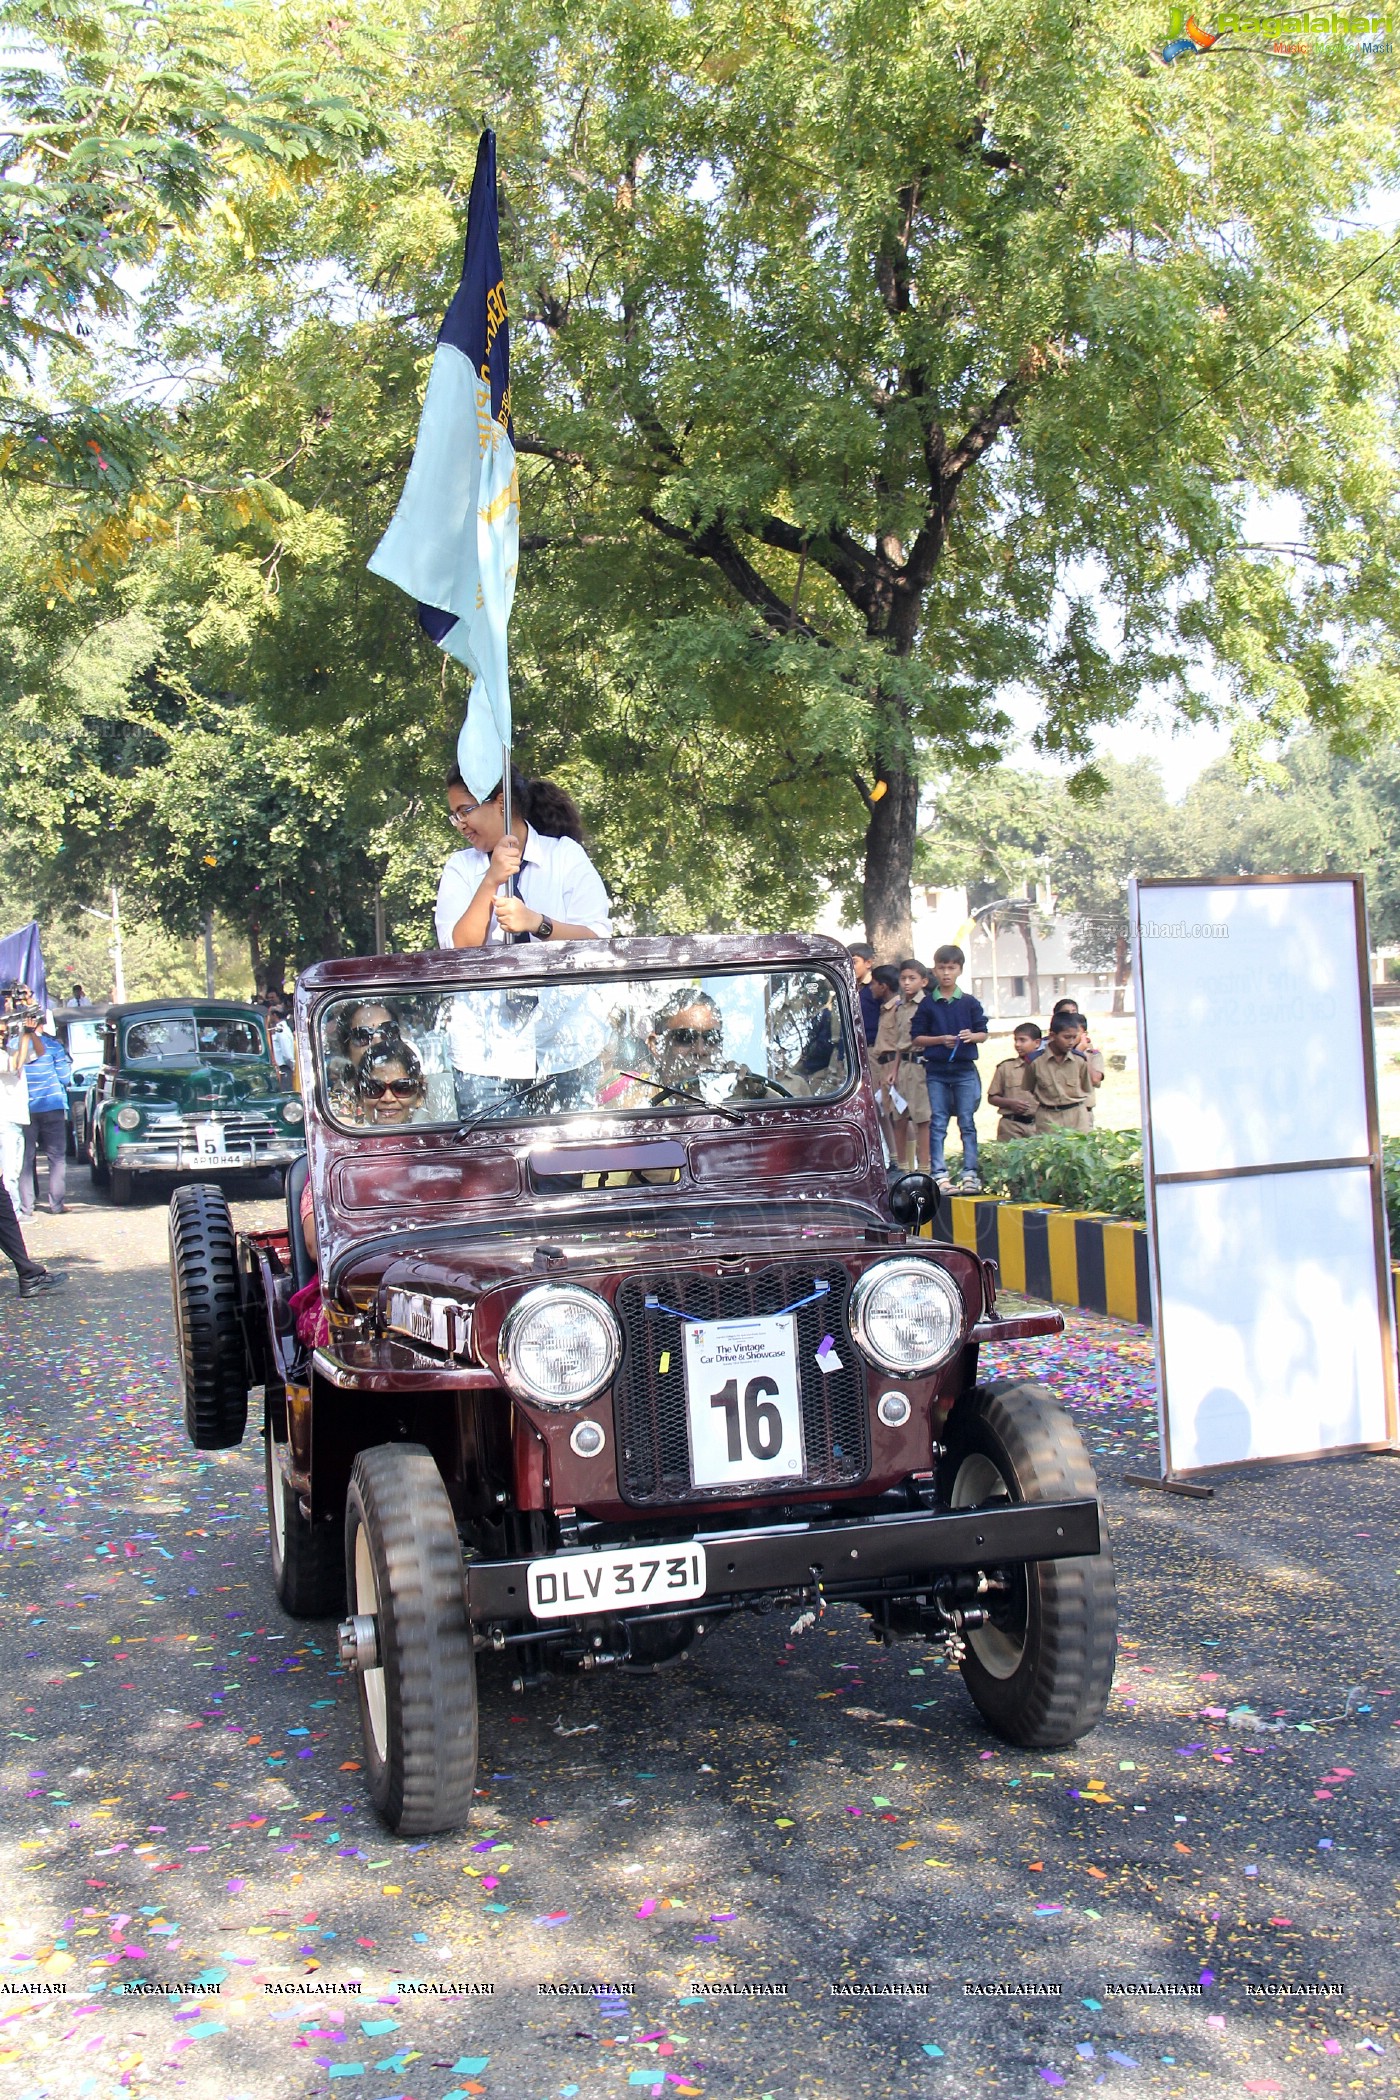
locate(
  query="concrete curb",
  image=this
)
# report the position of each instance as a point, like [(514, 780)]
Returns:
[(1072, 1257)]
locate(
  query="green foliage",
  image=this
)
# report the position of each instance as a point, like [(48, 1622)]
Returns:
[(1390, 1155), (1079, 1170), (869, 360), (123, 123)]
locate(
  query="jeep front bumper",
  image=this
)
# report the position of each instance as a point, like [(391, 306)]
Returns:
[(850, 1559)]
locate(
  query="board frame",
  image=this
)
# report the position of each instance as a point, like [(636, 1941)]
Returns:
[(1139, 888)]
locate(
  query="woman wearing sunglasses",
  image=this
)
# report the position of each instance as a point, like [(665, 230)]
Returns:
[(389, 1085)]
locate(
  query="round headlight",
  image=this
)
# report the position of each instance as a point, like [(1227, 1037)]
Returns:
[(907, 1315), (128, 1118), (292, 1111), (560, 1344)]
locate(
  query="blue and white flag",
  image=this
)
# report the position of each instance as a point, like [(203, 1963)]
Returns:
[(454, 541)]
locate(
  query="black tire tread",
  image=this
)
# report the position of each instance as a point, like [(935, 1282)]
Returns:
[(310, 1575), (426, 1782), (208, 1318), (1062, 1688)]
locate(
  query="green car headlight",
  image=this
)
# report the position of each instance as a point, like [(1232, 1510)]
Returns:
[(293, 1112), (128, 1118)]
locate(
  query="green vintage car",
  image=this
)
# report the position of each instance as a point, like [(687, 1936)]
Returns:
[(188, 1084)]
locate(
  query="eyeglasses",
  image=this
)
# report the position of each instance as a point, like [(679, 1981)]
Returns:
[(462, 811), (693, 1038), (401, 1089), (362, 1035)]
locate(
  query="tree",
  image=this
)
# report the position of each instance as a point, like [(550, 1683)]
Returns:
[(909, 327), (870, 359), (121, 127)]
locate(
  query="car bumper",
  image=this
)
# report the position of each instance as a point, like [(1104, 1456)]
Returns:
[(165, 1159), (850, 1559)]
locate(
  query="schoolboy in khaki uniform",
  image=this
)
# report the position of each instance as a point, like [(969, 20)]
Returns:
[(1010, 1091), (1061, 1081), (900, 1067)]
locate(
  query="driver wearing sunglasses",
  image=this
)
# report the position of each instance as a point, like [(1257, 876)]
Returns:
[(389, 1085), (687, 1039)]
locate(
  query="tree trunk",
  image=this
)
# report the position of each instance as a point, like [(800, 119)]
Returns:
[(1121, 971), (889, 863), (1032, 959)]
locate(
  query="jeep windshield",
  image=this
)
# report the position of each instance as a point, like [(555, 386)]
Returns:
[(645, 1047)]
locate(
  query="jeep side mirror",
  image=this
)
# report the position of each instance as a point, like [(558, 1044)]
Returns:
[(914, 1200)]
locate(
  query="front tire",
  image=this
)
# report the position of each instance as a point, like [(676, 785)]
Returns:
[(1041, 1670), (122, 1185), (418, 1704), (308, 1560), (97, 1160), (208, 1318)]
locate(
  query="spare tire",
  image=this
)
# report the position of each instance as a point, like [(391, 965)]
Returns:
[(208, 1318)]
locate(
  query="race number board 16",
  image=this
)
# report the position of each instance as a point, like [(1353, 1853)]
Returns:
[(743, 1401)]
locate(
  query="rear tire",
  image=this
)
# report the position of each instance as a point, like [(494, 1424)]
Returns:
[(308, 1560), (1041, 1670), (208, 1317), (418, 1707)]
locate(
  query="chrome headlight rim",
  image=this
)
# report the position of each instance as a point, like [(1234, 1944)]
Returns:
[(128, 1117), (884, 1272), (293, 1111), (507, 1347)]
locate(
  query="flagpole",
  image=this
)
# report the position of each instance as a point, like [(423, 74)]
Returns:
[(505, 783)]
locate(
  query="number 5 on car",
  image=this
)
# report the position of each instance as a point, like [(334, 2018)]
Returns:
[(742, 1400)]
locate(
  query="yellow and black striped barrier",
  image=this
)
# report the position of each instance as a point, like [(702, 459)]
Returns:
[(1072, 1257)]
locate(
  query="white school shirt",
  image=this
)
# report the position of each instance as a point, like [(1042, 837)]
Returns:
[(556, 877), (558, 1029)]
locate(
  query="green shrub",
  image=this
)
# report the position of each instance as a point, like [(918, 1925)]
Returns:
[(1390, 1154), (1081, 1170)]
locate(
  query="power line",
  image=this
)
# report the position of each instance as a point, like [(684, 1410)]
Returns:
[(1249, 363)]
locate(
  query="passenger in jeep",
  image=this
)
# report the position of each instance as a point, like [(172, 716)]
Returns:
[(389, 1086), (361, 1028)]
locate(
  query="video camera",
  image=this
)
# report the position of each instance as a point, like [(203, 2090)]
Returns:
[(19, 1009)]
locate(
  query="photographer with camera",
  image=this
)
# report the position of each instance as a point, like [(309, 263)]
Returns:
[(20, 1022)]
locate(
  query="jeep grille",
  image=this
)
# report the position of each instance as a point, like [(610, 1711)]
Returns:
[(651, 1424)]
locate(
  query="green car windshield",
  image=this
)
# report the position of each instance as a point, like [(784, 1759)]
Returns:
[(646, 1047), (169, 1036)]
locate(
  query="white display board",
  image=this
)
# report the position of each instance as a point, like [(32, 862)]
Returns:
[(1261, 1150)]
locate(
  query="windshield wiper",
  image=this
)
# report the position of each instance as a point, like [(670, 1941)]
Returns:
[(486, 1115), (679, 1093)]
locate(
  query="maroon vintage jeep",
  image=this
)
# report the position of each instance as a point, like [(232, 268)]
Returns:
[(627, 1328)]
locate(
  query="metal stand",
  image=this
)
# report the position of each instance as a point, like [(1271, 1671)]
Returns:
[(1167, 1485)]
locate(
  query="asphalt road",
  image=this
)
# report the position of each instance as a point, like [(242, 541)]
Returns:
[(182, 1809)]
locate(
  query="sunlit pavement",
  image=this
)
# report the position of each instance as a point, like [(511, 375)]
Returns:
[(183, 1809)]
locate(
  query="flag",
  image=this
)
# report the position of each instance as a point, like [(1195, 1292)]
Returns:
[(454, 541), (20, 957)]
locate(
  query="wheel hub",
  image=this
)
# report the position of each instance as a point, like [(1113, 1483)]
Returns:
[(359, 1641)]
